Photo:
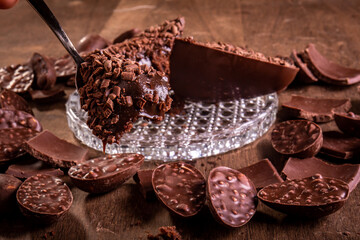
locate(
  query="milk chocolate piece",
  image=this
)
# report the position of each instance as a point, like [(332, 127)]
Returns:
[(45, 96), (304, 75), (212, 72), (44, 71), (315, 109), (44, 198), (328, 71), (232, 196), (296, 168), (262, 173), (104, 174), (126, 35), (12, 101), (55, 151), (18, 119), (180, 187), (8, 188), (91, 42), (311, 197), (339, 145), (348, 123), (17, 78), (143, 179), (300, 138)]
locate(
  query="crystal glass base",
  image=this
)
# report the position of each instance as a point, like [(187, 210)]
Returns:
[(205, 129)]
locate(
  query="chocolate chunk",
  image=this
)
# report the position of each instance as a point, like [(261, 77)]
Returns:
[(91, 42), (166, 233), (339, 145), (301, 168), (55, 151), (65, 67), (12, 101), (300, 138), (304, 75), (18, 119), (44, 71), (262, 173), (8, 188), (143, 180), (126, 35), (12, 141), (44, 198), (348, 123), (311, 197), (212, 72), (232, 196), (180, 187), (315, 109), (104, 174), (17, 78), (46, 96)]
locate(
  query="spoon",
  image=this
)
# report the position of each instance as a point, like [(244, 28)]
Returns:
[(45, 13)]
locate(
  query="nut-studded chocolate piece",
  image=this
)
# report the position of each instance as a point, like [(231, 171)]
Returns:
[(18, 119), (104, 174), (300, 138), (232, 196), (44, 71), (312, 197), (17, 78), (348, 123), (12, 101), (44, 198), (180, 187), (8, 188), (339, 145)]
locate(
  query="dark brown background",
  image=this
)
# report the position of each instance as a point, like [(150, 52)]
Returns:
[(271, 27)]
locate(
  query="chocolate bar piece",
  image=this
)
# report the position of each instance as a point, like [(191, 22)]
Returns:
[(304, 75), (8, 188), (310, 197), (44, 198), (232, 196), (143, 179), (180, 187), (55, 151), (315, 109), (18, 119), (296, 168), (45, 96), (17, 78), (104, 174), (44, 71), (300, 138), (339, 145), (262, 173), (348, 123), (12, 101)]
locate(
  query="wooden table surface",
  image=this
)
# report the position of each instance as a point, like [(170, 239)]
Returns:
[(271, 27)]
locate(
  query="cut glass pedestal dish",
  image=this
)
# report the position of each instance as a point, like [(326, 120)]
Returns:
[(205, 129)]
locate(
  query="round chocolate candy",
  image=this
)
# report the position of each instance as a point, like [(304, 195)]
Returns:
[(232, 196), (312, 197), (104, 174), (180, 187), (18, 119), (44, 198), (298, 138), (8, 187), (12, 101)]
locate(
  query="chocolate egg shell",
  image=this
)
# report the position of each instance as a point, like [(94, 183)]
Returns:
[(44, 198), (104, 174), (18, 119), (180, 187), (310, 197), (12, 101), (349, 123), (341, 146), (232, 196)]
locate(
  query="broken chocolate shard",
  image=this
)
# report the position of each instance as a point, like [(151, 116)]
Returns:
[(348, 123), (143, 179), (339, 145), (304, 75), (315, 109), (44, 71), (8, 188), (11, 100), (17, 78), (18, 119)]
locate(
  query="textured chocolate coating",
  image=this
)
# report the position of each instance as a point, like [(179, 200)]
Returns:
[(311, 197), (126, 35), (17, 78), (44, 198), (296, 168), (8, 188), (18, 119), (180, 187), (339, 145), (300, 138), (232, 196), (304, 75), (12, 101), (262, 173), (44, 71), (348, 123), (55, 151), (315, 109), (104, 174), (45, 96), (143, 179), (212, 72), (91, 42)]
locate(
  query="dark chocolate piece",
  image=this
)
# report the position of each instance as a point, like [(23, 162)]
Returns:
[(143, 179), (232, 196), (44, 71), (18, 119), (45, 96), (180, 187), (339, 145), (65, 67), (126, 35), (55, 151), (104, 174), (315, 109), (328, 71), (91, 42), (311, 197), (17, 78), (44, 198), (212, 72), (8, 188), (262, 173), (304, 75), (348, 123), (166, 233), (301, 168), (300, 138), (12, 101)]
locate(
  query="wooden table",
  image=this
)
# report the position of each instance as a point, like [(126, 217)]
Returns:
[(271, 27)]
